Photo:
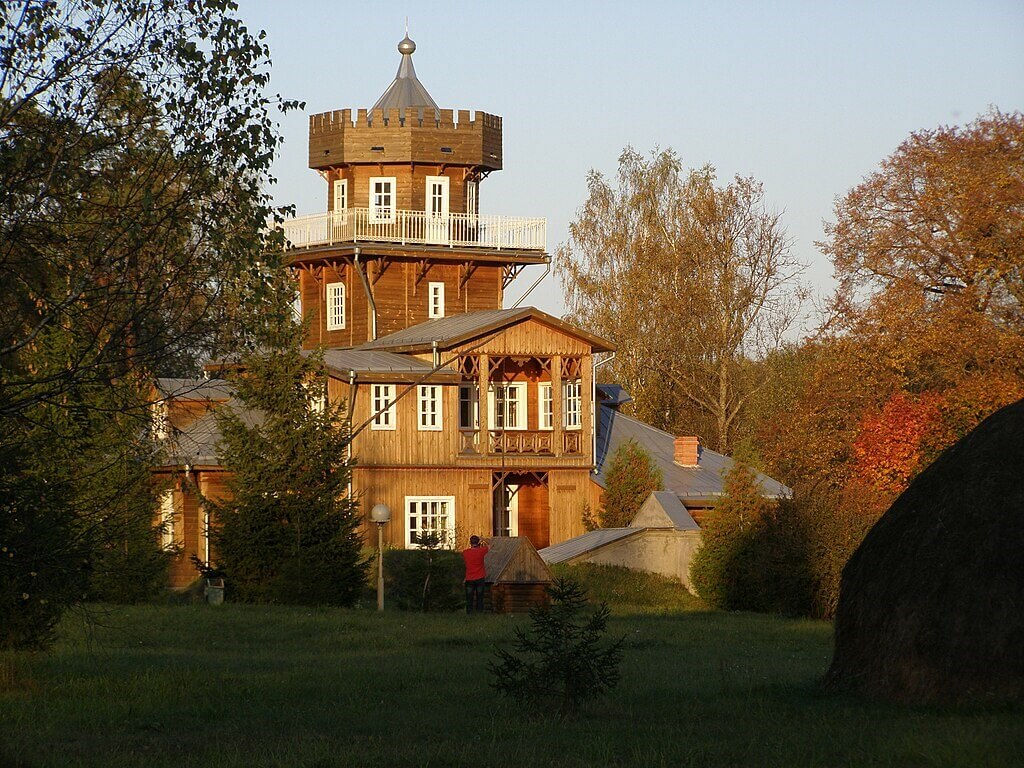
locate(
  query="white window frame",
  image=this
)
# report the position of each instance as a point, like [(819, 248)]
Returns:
[(430, 399), (422, 505), (382, 398), (520, 423), (472, 193), (334, 301), (297, 306), (167, 538), (572, 393), (379, 212), (545, 406), (435, 300), (469, 400), (340, 192)]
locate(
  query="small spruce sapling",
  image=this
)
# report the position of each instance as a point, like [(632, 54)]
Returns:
[(562, 660)]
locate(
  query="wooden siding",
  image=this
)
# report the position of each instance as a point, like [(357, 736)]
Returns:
[(410, 185), (514, 598), (471, 489), (345, 137), (400, 293)]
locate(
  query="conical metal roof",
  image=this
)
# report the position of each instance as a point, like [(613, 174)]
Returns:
[(405, 90)]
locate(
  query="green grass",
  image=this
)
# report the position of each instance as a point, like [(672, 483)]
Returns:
[(193, 685)]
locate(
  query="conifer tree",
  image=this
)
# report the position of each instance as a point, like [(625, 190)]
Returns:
[(632, 476), (287, 531)]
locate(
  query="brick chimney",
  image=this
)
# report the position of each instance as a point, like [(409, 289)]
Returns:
[(687, 451)]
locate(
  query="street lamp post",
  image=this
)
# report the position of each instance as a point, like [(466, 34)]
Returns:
[(380, 514)]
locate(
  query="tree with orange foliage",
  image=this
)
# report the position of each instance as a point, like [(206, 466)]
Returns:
[(888, 449)]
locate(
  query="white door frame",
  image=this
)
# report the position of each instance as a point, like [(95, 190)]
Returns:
[(436, 206)]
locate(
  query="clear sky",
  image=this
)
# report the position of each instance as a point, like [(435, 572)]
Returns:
[(807, 97)]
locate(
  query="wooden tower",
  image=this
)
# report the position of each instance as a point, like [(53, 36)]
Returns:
[(402, 240)]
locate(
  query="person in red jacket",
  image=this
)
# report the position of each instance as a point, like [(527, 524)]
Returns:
[(475, 573)]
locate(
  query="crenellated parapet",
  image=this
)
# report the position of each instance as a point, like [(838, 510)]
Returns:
[(411, 135)]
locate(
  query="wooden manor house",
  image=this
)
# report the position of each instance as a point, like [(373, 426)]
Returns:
[(483, 419)]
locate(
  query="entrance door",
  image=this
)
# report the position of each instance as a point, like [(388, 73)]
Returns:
[(437, 210)]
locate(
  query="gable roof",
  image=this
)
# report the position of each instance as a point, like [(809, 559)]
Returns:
[(454, 330), (663, 509), (514, 559), (697, 485)]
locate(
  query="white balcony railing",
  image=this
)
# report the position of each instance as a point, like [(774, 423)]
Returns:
[(455, 230)]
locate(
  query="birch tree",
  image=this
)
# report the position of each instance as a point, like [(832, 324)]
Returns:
[(693, 280)]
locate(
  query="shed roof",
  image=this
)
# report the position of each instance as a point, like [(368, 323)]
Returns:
[(451, 331), (587, 542), (513, 559), (700, 484)]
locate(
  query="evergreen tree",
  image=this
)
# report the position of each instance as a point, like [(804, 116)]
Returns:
[(562, 661), (287, 531), (632, 476)]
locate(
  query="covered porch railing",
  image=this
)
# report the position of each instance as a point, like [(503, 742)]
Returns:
[(454, 230)]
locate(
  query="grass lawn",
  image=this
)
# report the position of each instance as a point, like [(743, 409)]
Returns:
[(194, 685)]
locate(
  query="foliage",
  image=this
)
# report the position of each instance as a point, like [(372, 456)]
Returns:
[(887, 452), (944, 214), (562, 661), (631, 477), (135, 141), (588, 518), (754, 554), (286, 531), (424, 580), (625, 590), (690, 279)]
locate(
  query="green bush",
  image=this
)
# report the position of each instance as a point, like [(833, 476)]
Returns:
[(424, 579)]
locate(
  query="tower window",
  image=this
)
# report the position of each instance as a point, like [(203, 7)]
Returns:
[(382, 199), (335, 306), (436, 299)]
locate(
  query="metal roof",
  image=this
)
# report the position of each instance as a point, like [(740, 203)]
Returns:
[(193, 389), (197, 442), (663, 509), (405, 90), (578, 545), (613, 394), (371, 361), (451, 331), (703, 483)]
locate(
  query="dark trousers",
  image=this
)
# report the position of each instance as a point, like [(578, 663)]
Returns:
[(475, 595)]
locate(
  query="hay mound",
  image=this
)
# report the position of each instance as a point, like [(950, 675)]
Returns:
[(931, 606)]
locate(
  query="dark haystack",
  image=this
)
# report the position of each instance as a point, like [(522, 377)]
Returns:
[(931, 606)]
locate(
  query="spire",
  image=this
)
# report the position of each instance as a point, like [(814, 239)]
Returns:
[(405, 90)]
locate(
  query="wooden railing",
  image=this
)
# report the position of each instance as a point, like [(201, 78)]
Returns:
[(521, 442), (355, 225)]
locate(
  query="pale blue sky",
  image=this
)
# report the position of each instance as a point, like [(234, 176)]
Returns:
[(807, 97)]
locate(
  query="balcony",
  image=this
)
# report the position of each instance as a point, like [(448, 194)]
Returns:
[(523, 442), (455, 230)]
